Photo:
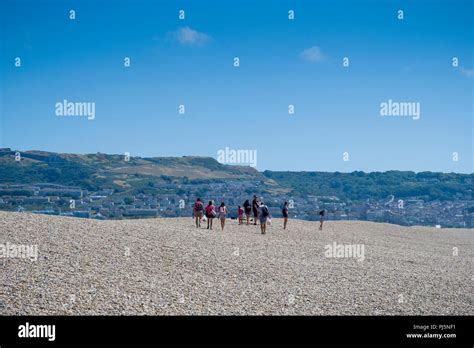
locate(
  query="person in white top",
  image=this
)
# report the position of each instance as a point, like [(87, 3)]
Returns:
[(222, 214)]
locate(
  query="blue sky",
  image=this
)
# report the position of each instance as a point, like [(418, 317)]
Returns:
[(190, 62)]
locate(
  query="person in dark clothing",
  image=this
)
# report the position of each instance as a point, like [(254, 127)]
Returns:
[(248, 210), (255, 208), (321, 219), (284, 211)]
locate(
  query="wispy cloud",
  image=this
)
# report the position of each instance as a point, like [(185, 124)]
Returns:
[(189, 37), (312, 54), (467, 72)]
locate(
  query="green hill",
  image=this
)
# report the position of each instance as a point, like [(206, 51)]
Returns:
[(102, 171), (359, 185), (99, 171)]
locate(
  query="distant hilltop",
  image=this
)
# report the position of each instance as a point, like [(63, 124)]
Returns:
[(116, 170)]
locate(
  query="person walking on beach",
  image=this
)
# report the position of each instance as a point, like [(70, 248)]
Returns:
[(264, 215), (321, 219), (248, 210), (222, 214), (198, 211), (284, 211), (240, 212), (210, 214), (255, 207)]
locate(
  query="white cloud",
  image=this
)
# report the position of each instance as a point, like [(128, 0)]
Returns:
[(190, 37), (467, 72), (312, 54)]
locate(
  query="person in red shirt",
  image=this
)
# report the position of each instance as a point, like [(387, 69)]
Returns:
[(210, 214)]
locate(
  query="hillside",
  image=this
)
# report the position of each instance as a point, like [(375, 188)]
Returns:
[(358, 185), (102, 171), (99, 171), (167, 266)]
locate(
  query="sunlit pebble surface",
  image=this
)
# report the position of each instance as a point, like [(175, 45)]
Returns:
[(174, 268)]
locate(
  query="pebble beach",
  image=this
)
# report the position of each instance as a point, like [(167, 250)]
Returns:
[(170, 267)]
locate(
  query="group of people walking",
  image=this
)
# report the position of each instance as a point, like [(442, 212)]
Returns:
[(257, 208), (209, 212)]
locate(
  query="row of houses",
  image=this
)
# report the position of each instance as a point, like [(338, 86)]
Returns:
[(105, 204)]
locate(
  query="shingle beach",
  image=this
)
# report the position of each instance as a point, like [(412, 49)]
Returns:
[(169, 267)]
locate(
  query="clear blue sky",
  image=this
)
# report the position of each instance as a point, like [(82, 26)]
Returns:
[(190, 62)]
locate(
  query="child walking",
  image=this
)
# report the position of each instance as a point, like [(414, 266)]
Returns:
[(240, 211), (222, 214)]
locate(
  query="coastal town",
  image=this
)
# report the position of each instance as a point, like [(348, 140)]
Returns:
[(178, 199)]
